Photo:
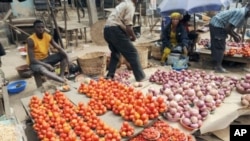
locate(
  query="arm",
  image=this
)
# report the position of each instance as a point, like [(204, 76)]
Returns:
[(165, 37), (130, 32), (31, 55), (230, 30), (184, 36), (55, 45)]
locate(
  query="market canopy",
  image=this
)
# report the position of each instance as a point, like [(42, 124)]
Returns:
[(191, 6)]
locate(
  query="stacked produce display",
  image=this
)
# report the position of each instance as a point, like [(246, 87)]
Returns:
[(162, 131), (187, 97), (241, 49)]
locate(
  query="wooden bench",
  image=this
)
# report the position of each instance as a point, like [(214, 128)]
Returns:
[(205, 55)]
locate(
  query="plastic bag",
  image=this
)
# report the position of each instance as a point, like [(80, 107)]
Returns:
[(181, 63)]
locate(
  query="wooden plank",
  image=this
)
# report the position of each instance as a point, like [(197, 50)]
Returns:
[(6, 101), (8, 14), (1, 104), (25, 101)]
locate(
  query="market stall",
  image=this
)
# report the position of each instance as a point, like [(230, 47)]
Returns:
[(230, 105), (235, 52)]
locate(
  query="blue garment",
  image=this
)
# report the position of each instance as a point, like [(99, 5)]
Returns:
[(235, 17)]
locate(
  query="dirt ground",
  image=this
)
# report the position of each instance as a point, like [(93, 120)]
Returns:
[(14, 59)]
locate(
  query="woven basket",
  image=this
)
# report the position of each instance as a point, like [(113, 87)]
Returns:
[(147, 45), (143, 55), (93, 64), (156, 52)]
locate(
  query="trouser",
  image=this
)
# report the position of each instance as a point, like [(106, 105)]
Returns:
[(165, 54), (119, 43), (218, 44)]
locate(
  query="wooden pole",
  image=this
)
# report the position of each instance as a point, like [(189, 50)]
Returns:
[(79, 5), (54, 20), (65, 24), (244, 30), (92, 12)]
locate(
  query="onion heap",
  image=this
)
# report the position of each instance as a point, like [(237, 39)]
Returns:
[(245, 100), (243, 86), (174, 112), (123, 76), (192, 118), (185, 90)]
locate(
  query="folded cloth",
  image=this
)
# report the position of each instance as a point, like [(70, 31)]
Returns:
[(177, 49)]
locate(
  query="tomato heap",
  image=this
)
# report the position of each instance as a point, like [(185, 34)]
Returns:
[(124, 100), (126, 130), (162, 131), (243, 50), (57, 119)]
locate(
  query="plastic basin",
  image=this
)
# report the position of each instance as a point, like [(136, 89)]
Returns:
[(16, 86)]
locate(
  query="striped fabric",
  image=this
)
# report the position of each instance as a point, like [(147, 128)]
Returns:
[(235, 16)]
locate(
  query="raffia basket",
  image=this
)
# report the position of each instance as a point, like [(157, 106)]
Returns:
[(143, 55), (156, 52), (93, 64), (147, 45)]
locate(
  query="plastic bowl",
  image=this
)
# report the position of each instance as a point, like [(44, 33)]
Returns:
[(16, 86), (24, 71)]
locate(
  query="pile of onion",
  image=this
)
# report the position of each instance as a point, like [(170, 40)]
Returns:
[(123, 76), (245, 100), (192, 118), (174, 111), (243, 86), (203, 91)]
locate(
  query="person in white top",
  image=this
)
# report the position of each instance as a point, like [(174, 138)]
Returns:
[(118, 33)]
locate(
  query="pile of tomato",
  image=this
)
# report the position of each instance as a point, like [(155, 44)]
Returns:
[(167, 133), (124, 100), (56, 118), (238, 49)]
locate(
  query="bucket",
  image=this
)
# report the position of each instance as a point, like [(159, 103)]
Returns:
[(173, 57)]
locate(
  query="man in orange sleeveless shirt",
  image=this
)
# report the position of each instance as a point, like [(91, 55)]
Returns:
[(39, 59)]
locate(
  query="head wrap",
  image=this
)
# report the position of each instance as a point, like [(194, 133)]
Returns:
[(175, 15)]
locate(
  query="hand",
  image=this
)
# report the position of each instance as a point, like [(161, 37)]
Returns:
[(237, 38), (49, 67), (132, 38)]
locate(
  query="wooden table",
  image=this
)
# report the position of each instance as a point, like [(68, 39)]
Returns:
[(205, 54), (73, 27)]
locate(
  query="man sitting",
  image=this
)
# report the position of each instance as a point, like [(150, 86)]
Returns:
[(38, 57)]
